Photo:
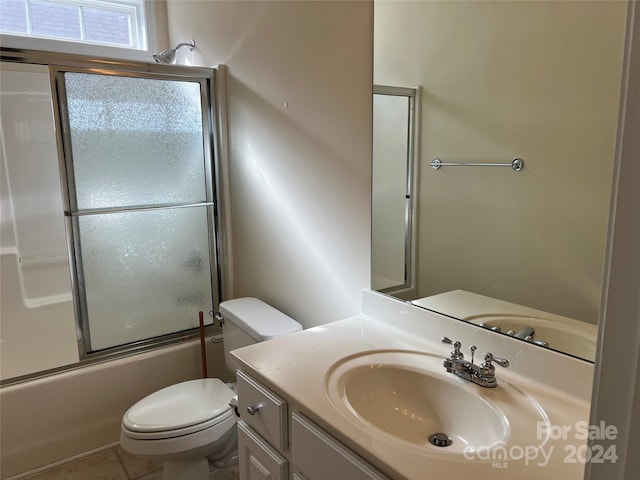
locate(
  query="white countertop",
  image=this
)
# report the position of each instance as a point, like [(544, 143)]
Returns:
[(296, 366)]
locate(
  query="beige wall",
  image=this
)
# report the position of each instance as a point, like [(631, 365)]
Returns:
[(536, 80), (300, 145)]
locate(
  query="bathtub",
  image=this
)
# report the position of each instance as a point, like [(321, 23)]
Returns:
[(64, 415)]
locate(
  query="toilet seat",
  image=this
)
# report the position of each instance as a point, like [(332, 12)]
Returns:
[(177, 432), (179, 410)]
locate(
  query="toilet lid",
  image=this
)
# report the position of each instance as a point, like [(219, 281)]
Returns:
[(259, 320), (181, 405)]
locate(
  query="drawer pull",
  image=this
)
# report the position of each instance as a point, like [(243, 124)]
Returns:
[(252, 410)]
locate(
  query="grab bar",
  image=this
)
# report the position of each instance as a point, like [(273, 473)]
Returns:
[(517, 164)]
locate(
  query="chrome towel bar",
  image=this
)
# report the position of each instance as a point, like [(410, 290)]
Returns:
[(517, 164)]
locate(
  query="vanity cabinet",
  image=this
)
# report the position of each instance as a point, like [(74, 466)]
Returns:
[(315, 455), (267, 452), (258, 459), (263, 410), (262, 432)]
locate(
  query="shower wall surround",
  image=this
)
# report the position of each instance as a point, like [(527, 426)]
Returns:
[(38, 326)]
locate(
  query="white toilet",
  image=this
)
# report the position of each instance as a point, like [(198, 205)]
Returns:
[(186, 424)]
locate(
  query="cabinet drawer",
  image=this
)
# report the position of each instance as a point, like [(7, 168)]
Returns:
[(316, 455), (258, 459), (263, 410)]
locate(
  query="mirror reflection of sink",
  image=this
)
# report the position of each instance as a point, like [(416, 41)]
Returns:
[(577, 338), (561, 333), (409, 396)]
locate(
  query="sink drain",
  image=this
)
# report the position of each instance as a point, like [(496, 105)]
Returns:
[(440, 440)]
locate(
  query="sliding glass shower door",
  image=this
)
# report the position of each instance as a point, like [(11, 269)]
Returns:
[(140, 202)]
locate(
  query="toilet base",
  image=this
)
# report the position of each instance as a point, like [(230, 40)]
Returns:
[(197, 469)]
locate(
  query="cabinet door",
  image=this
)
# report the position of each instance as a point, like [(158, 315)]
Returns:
[(258, 460), (316, 455), (264, 411)]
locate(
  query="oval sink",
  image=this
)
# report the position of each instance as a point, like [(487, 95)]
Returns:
[(409, 396), (413, 406)]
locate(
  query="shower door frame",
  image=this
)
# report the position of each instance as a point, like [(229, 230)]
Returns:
[(58, 64), (408, 287)]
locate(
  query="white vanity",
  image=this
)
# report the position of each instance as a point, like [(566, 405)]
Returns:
[(361, 398)]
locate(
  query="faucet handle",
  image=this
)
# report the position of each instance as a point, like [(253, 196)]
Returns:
[(456, 354), (489, 358)]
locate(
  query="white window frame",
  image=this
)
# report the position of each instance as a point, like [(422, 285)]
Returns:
[(146, 38)]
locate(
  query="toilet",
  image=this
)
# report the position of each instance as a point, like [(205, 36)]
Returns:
[(187, 424)]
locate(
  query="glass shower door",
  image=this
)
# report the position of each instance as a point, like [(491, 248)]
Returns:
[(138, 161)]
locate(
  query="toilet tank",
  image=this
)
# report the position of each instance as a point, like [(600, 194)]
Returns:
[(249, 320)]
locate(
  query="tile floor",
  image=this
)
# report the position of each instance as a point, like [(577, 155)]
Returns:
[(111, 464), (114, 464)]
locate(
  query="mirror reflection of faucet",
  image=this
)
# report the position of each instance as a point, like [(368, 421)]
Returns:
[(525, 333), (528, 334), (483, 374)]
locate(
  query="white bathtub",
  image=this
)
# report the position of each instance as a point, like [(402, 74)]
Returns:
[(60, 416)]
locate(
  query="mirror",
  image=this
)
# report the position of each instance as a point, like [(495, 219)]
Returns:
[(515, 251)]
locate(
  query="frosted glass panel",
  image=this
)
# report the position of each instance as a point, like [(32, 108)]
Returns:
[(135, 141), (146, 273)]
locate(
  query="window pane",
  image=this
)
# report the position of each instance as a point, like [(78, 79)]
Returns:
[(135, 141), (107, 26), (109, 23), (13, 16), (55, 20), (146, 273)]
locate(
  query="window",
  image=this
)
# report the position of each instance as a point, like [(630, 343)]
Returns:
[(69, 25)]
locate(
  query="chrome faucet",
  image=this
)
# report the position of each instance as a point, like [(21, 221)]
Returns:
[(483, 374), (525, 333), (528, 334)]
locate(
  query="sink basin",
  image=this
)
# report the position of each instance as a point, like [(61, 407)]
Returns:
[(413, 406), (409, 396), (575, 338)]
